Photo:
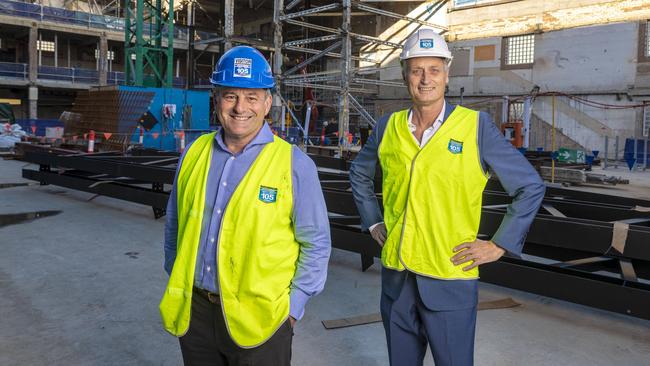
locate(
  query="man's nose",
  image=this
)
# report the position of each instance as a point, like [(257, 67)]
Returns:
[(240, 105), (426, 77)]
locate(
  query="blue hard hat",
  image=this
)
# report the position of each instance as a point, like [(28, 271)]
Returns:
[(243, 67)]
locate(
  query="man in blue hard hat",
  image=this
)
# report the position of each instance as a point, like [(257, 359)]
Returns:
[(247, 236), (434, 159)]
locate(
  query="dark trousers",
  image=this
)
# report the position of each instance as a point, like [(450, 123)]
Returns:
[(410, 326), (207, 341)]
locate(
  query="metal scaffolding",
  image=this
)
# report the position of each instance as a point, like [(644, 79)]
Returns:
[(319, 42), (149, 61), (351, 78)]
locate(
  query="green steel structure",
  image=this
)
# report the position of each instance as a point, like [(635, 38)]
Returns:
[(148, 42)]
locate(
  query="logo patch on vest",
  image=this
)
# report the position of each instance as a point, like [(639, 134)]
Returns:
[(268, 194), (426, 43), (243, 67), (455, 147)]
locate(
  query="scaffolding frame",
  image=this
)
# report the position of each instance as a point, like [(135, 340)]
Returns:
[(337, 43), (146, 26)]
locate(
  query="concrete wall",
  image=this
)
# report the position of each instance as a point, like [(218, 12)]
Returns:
[(595, 62), (528, 16)]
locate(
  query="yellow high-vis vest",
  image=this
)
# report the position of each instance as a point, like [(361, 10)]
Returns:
[(431, 195), (257, 250)]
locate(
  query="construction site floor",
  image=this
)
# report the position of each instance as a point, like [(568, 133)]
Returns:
[(82, 288)]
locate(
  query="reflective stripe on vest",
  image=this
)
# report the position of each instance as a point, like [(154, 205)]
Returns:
[(431, 195), (257, 250)]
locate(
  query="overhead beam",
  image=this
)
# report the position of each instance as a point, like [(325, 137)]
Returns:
[(396, 16), (311, 40), (313, 58), (303, 13), (329, 54)]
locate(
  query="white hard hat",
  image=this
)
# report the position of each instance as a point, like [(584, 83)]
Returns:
[(425, 42)]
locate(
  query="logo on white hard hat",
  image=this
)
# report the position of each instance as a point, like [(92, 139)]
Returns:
[(426, 43), (242, 67)]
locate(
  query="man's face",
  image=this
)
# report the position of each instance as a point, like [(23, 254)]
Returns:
[(242, 111), (426, 79)]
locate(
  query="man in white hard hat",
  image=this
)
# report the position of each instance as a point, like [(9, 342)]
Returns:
[(434, 158)]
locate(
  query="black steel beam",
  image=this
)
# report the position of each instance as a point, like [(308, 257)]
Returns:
[(113, 166), (615, 295), (125, 192)]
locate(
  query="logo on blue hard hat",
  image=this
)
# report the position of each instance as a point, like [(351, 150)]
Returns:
[(455, 147), (268, 194), (242, 67), (426, 43)]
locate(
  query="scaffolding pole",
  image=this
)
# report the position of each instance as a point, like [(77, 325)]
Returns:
[(229, 23), (277, 111), (344, 106)]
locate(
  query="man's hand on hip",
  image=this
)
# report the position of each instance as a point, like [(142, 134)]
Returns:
[(379, 233), (477, 252)]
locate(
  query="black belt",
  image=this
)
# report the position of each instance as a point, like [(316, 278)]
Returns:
[(210, 296)]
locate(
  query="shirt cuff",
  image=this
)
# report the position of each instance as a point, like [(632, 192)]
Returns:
[(297, 302), (373, 225), (513, 250)]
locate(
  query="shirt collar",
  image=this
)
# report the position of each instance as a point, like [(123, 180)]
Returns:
[(440, 119), (264, 136)]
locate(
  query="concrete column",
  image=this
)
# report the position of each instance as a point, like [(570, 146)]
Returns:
[(56, 50), (33, 54), (103, 60), (33, 102)]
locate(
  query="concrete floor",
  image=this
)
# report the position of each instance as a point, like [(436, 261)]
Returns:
[(82, 288)]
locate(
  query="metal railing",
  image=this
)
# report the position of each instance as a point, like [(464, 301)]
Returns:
[(14, 70), (59, 15), (69, 74), (75, 75)]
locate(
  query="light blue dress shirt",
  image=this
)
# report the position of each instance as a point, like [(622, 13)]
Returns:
[(309, 217)]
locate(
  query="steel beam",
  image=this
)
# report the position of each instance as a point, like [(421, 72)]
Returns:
[(313, 26), (329, 54), (313, 58), (396, 16), (307, 12), (570, 285), (362, 111), (276, 111), (346, 60), (291, 5), (379, 82), (229, 23), (311, 40)]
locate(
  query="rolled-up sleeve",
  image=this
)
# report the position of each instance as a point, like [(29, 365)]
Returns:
[(362, 175), (520, 181), (312, 231)]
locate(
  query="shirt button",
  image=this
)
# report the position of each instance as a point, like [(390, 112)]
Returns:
[(211, 240), (224, 184), (232, 158), (208, 268), (218, 212)]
